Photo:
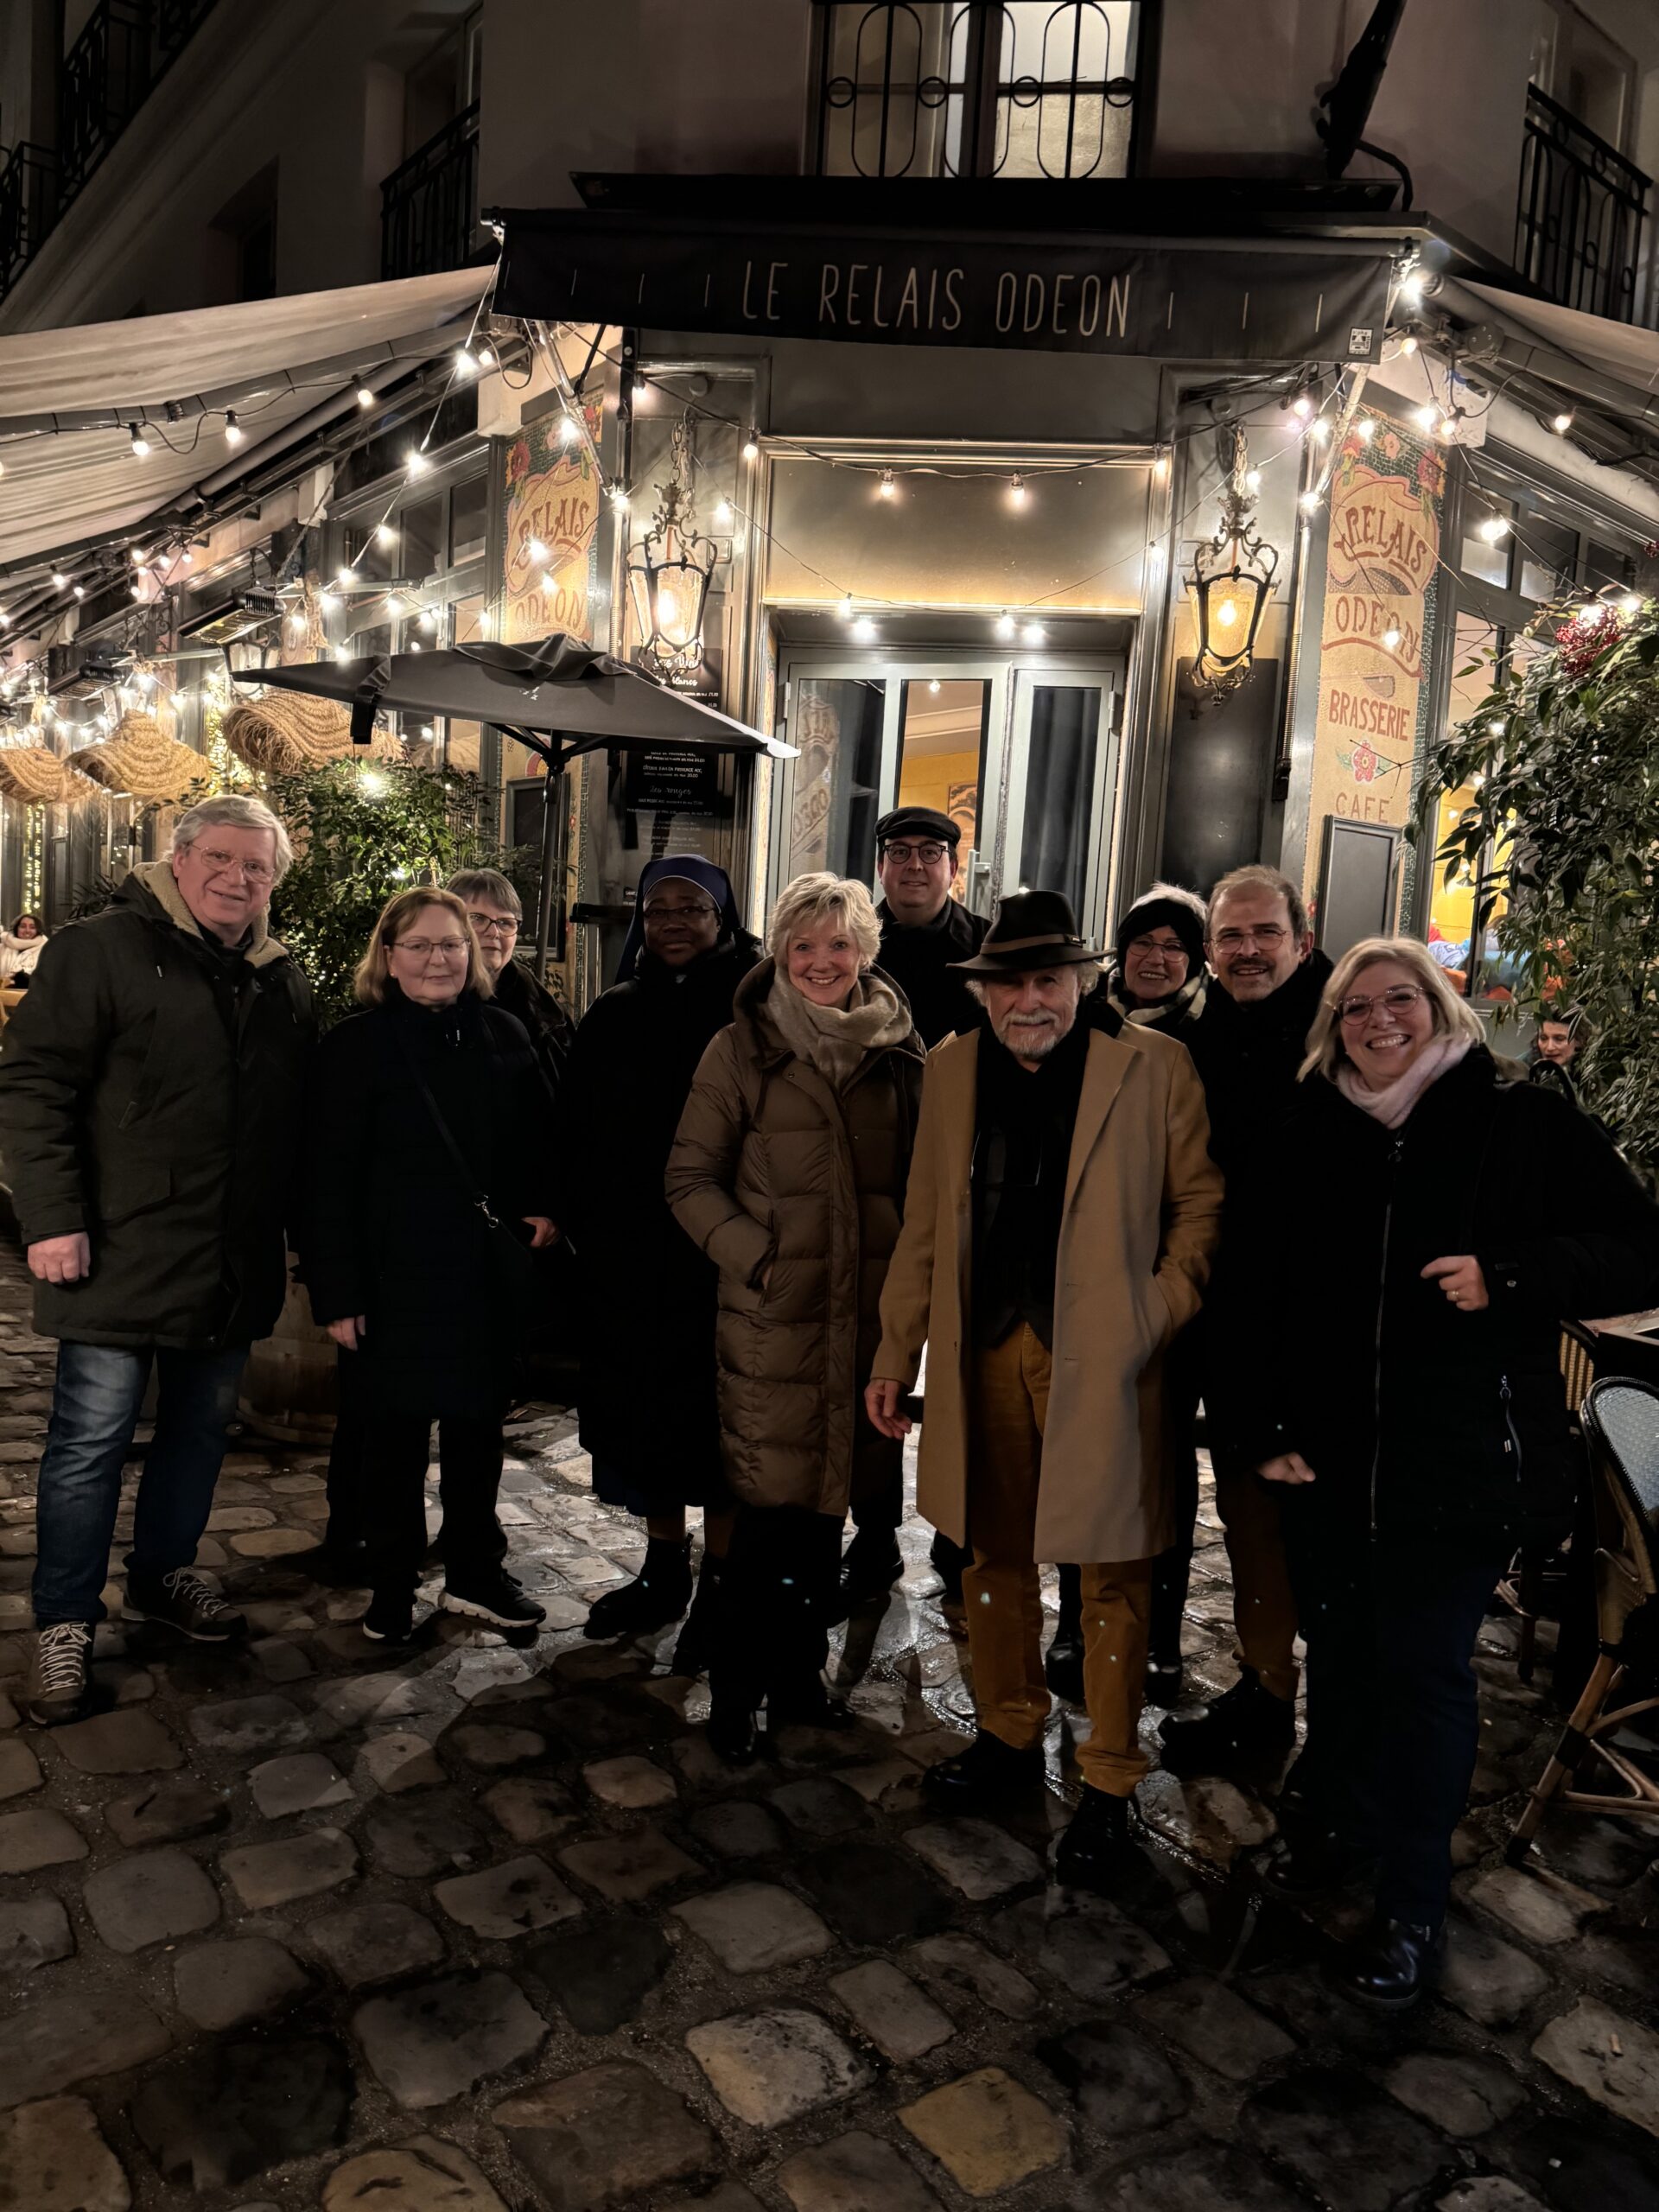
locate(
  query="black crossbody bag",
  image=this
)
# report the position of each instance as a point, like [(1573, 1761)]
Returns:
[(506, 1252)]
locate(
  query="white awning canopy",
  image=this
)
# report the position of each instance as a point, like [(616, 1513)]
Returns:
[(1618, 350), (68, 397)]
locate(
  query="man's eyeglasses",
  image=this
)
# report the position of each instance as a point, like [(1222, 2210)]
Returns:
[(929, 855), (657, 913), (1270, 937), (1397, 998), (492, 925), (226, 863), (423, 948)]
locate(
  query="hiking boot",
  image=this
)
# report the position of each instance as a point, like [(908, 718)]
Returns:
[(694, 1647), (873, 1564), (1391, 1966), (1094, 1852), (492, 1595), (58, 1676), (986, 1774), (1244, 1722), (659, 1593), (184, 1600), (390, 1616), (947, 1559)]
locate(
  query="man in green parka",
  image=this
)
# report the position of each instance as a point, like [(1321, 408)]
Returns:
[(152, 1096)]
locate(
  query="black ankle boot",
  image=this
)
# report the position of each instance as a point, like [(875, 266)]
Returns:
[(948, 1559), (1094, 1852), (1245, 1722), (1063, 1663), (986, 1774), (695, 1645), (658, 1593), (871, 1565), (1392, 1965), (1306, 1865)]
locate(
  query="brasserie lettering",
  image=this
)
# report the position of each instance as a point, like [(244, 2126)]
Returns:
[(871, 295)]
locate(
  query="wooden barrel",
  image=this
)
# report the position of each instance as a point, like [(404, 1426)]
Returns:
[(287, 1386)]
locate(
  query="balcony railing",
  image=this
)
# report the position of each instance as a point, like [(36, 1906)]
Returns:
[(1581, 221), (125, 50), (975, 88), (429, 205)]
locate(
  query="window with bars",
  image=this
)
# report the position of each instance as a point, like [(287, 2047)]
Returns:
[(1011, 88)]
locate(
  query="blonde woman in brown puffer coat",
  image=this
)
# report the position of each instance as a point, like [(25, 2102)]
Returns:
[(788, 1172)]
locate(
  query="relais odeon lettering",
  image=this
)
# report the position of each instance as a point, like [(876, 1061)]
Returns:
[(854, 294)]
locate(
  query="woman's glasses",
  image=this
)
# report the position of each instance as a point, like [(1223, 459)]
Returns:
[(426, 947), (1397, 998)]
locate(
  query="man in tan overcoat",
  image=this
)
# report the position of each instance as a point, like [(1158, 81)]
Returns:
[(1061, 1213)]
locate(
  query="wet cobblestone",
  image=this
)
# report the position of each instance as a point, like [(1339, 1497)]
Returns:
[(478, 1926)]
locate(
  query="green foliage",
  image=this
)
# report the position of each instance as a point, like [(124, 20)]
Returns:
[(1562, 755), (362, 832)]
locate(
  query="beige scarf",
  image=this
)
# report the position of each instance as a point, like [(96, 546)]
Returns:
[(834, 1039), (1392, 1103)]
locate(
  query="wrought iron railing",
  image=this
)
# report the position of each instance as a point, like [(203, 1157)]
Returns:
[(1581, 217), (975, 88), (429, 205), (125, 50)]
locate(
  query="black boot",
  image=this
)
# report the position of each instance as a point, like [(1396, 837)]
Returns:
[(1063, 1663), (694, 1648), (947, 1560), (1244, 1722), (658, 1593), (1309, 1863), (1170, 1577), (986, 1774), (1094, 1852), (873, 1564), (733, 1731), (1391, 1966)]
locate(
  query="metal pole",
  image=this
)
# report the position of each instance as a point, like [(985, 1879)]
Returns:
[(551, 890)]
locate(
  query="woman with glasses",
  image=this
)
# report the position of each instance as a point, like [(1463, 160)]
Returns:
[(1393, 1333), (427, 1193), (496, 915), (789, 1171), (646, 1397)]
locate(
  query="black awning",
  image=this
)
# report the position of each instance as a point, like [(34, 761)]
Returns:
[(1266, 298)]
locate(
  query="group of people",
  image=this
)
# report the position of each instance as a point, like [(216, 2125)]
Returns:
[(1104, 1197)]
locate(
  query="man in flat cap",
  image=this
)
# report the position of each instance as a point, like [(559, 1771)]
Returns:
[(1061, 1214), (923, 931)]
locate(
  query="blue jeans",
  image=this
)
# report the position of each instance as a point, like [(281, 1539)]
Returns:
[(95, 1409)]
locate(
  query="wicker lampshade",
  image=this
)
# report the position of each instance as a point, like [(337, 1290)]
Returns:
[(286, 731), (36, 775), (142, 762)]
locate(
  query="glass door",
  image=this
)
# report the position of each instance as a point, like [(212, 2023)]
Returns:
[(1062, 786)]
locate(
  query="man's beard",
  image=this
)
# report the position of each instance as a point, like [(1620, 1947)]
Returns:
[(1032, 1041)]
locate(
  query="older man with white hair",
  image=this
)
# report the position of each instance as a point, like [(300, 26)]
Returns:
[(1061, 1211), (151, 1103)]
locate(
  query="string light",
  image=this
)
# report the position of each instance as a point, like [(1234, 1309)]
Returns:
[(1562, 423), (486, 358), (1005, 626), (61, 583), (724, 515), (1365, 429), (1252, 479), (365, 396), (1494, 527), (1311, 502), (933, 683), (1301, 406), (345, 578), (847, 609), (296, 623), (429, 619), (1017, 493), (1630, 603), (176, 699), (865, 631), (233, 431), (1411, 286), (1034, 634), (1391, 636), (536, 551), (465, 364), (1408, 343), (416, 463), (886, 488), (751, 449), (1318, 431), (80, 591), (327, 602), (138, 587), (384, 534), (139, 557), (139, 442), (1427, 416), (620, 500), (567, 431)]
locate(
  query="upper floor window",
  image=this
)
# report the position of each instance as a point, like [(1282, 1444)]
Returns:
[(1029, 88)]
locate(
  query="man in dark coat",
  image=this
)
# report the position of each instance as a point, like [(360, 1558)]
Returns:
[(151, 1103), (925, 934), (1248, 1047)]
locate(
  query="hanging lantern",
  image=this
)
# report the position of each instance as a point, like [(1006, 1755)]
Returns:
[(669, 568), (1231, 580)]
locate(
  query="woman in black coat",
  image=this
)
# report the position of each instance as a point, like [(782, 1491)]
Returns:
[(427, 1192), (646, 1397), (1394, 1333)]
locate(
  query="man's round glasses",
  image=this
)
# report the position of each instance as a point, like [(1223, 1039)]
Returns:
[(1396, 998), (929, 855), (493, 925), (657, 913), (227, 863), (1268, 937), (423, 948)]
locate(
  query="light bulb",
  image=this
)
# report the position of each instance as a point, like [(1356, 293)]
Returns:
[(1409, 343), (1302, 405), (1006, 625), (296, 624), (544, 581), (1562, 423), (668, 609), (370, 782), (1017, 492), (138, 556), (536, 551), (1495, 728), (620, 500), (345, 578), (484, 621), (427, 730), (886, 488), (342, 654), (384, 534), (233, 431), (750, 450), (933, 683), (641, 384), (1033, 633), (847, 609), (177, 699), (465, 365), (416, 463), (1391, 636), (429, 619), (1448, 428), (1252, 479), (1426, 416), (865, 631), (724, 515), (365, 396), (414, 645), (1365, 429), (486, 358), (327, 601), (1319, 431), (1226, 613), (1411, 286), (1630, 604), (60, 581), (138, 589), (567, 429), (1494, 527), (1310, 503), (5, 624), (144, 680), (394, 605), (187, 559), (139, 442), (80, 591)]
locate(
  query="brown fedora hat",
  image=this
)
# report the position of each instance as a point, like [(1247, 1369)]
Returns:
[(1032, 928)]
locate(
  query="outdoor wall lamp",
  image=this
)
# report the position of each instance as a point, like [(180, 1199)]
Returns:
[(669, 568), (1231, 579)]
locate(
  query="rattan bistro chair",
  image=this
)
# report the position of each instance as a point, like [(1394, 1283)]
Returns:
[(1621, 1427)]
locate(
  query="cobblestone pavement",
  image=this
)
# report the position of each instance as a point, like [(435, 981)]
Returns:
[(469, 1926)]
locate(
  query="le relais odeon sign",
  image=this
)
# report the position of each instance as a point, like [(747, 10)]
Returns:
[(1073, 295)]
